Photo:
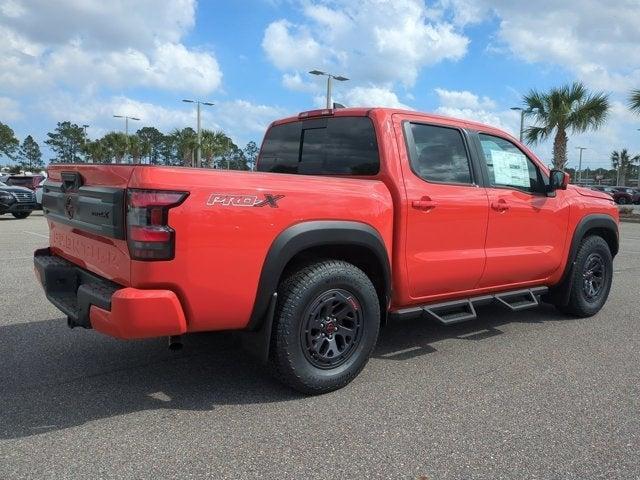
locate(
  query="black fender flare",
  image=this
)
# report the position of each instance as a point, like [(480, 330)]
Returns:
[(256, 337), (303, 236), (559, 293)]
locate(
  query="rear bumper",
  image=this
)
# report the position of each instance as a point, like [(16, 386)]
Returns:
[(91, 301)]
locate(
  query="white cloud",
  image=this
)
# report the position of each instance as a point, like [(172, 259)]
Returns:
[(294, 81), (290, 51), (596, 41), (469, 106), (96, 44), (101, 25), (380, 43), (240, 119), (9, 109), (372, 97), (464, 99)]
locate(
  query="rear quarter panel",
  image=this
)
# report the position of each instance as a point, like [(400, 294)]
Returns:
[(220, 249)]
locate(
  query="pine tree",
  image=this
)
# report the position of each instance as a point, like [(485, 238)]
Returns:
[(30, 155)]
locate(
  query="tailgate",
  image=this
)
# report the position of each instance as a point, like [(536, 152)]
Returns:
[(85, 208)]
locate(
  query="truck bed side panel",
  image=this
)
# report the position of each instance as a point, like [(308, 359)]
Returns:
[(222, 239)]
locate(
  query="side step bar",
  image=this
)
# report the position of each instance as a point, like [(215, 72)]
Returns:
[(458, 311)]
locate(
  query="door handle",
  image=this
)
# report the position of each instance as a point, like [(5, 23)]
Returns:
[(500, 205), (425, 203)]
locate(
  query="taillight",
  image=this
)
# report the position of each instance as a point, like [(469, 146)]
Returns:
[(148, 233)]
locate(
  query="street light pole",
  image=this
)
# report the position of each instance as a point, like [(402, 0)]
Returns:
[(126, 129), (199, 132), (522, 112), (329, 76), (638, 185), (580, 164)]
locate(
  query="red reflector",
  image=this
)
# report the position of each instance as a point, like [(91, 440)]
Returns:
[(156, 216), (148, 234)]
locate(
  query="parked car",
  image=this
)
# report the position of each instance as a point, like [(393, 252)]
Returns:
[(18, 201), (27, 181), (355, 215), (620, 197), (633, 193)]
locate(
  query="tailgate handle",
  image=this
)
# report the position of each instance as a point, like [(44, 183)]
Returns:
[(71, 181)]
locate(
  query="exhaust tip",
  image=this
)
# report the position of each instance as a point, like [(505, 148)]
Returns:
[(175, 343)]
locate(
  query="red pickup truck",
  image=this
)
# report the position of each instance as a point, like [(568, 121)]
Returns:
[(354, 216)]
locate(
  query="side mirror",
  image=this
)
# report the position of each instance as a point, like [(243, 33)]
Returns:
[(558, 180)]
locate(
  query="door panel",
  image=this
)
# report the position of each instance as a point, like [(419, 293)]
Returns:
[(527, 228), (525, 240), (446, 222)]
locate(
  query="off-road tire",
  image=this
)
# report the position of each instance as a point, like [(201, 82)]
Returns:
[(298, 294), (580, 305)]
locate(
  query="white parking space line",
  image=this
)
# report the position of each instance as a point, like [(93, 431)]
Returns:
[(37, 234)]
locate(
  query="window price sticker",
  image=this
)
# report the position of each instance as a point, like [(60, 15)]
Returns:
[(510, 168)]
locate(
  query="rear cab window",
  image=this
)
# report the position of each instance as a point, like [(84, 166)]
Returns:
[(321, 146)]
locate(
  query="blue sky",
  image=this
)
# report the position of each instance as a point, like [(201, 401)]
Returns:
[(85, 60)]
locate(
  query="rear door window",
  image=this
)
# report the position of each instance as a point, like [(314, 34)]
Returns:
[(438, 154), (323, 146)]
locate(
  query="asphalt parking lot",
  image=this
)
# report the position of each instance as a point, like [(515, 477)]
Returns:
[(530, 395)]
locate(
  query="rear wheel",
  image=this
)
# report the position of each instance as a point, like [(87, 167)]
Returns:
[(592, 276), (622, 201), (21, 214), (325, 328)]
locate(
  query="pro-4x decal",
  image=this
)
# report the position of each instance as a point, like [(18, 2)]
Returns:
[(233, 200)]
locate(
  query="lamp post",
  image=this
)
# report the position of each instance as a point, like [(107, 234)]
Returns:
[(85, 126), (329, 76), (638, 157), (199, 148), (522, 112), (580, 164), (126, 130)]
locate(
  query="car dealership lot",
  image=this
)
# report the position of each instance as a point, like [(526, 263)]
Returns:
[(530, 395)]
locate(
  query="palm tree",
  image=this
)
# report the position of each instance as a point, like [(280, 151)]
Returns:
[(138, 148), (621, 163), (634, 101), (214, 144), (568, 108), (185, 142), (95, 151), (116, 145)]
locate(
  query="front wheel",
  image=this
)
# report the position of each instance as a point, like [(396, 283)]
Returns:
[(592, 276), (622, 201), (21, 215), (325, 328)]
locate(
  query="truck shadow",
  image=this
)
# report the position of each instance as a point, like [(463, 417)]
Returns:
[(52, 378)]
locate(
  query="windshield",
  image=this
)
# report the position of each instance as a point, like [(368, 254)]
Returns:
[(20, 181)]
